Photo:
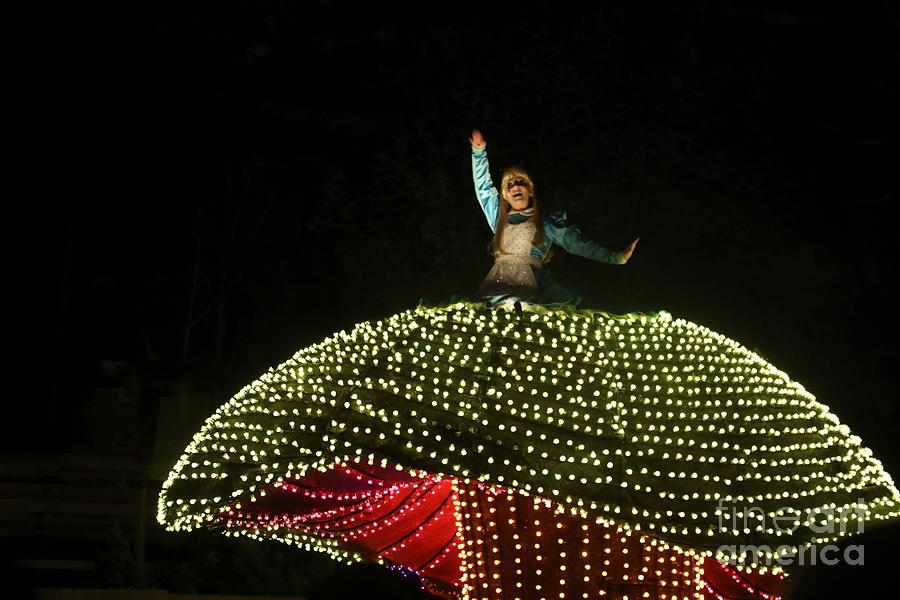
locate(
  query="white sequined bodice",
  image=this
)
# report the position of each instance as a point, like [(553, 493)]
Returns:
[(513, 271), (517, 238)]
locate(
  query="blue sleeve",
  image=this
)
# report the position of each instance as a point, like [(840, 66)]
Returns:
[(484, 188), (559, 231)]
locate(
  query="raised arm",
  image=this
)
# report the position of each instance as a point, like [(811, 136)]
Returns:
[(485, 191), (559, 231)]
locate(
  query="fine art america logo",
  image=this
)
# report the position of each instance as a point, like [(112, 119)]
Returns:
[(822, 523)]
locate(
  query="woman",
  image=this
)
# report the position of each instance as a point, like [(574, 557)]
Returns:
[(522, 238)]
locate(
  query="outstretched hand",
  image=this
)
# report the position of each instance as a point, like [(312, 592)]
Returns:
[(476, 138), (628, 251)]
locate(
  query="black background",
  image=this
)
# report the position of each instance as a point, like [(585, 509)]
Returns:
[(309, 163)]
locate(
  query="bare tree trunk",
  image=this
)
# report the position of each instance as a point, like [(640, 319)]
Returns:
[(196, 286), (219, 306), (189, 325)]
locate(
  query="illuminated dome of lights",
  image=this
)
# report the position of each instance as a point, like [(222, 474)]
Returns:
[(548, 452)]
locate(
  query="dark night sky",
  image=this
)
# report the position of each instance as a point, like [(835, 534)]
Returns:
[(309, 160)]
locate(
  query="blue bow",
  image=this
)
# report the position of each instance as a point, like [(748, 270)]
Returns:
[(516, 218)]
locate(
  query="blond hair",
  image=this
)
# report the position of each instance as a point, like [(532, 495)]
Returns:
[(503, 218)]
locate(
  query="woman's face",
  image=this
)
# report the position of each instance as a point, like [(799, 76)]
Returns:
[(517, 193)]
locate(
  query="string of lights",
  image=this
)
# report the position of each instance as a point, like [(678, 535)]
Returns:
[(676, 438)]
